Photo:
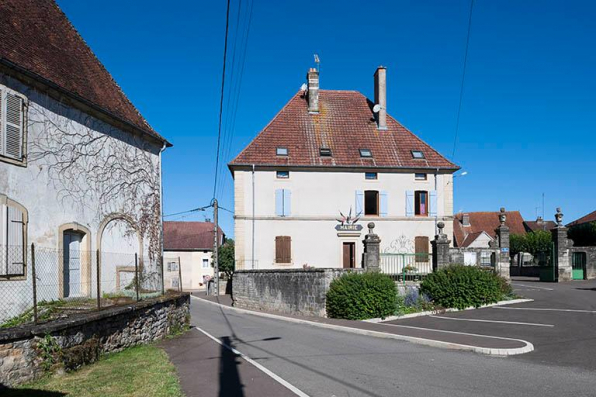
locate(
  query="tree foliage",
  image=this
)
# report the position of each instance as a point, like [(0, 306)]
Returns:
[(583, 235), (226, 258), (533, 243)]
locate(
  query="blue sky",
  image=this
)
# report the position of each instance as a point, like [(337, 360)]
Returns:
[(528, 114)]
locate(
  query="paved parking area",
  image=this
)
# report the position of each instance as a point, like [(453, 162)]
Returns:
[(560, 323)]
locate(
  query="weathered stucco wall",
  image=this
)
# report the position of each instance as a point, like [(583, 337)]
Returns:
[(82, 339), (590, 270), (192, 268), (292, 291)]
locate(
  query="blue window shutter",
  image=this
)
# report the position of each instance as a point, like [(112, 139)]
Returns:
[(287, 202), (409, 203), (279, 202), (383, 203), (359, 202), (433, 203)]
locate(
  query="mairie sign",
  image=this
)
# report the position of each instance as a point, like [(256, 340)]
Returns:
[(348, 228)]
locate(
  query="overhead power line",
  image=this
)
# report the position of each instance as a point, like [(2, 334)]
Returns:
[(463, 79), (221, 101)]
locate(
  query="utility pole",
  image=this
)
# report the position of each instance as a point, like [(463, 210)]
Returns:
[(215, 247)]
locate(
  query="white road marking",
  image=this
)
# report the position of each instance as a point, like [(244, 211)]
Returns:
[(275, 377), (552, 310), (493, 321), (533, 286)]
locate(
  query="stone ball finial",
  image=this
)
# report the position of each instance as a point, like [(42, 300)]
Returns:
[(440, 226), (371, 226), (559, 217), (502, 216)]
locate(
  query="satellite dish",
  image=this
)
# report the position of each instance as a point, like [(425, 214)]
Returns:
[(303, 87), (377, 108)]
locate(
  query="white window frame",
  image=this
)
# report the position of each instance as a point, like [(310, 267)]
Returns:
[(205, 262), (281, 151), (4, 91)]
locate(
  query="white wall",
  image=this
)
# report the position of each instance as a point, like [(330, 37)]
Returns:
[(316, 200), (191, 267)]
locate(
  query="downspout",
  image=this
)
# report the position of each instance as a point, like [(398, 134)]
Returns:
[(437, 209), (161, 219), (253, 218)]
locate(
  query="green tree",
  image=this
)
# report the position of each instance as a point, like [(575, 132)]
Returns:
[(533, 243), (226, 258)]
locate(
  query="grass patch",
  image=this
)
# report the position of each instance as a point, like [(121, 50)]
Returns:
[(139, 371)]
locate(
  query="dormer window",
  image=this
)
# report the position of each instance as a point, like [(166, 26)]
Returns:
[(365, 153), (325, 152), (282, 151), (417, 154)]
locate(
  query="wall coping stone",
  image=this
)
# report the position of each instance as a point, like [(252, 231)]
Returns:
[(28, 330)]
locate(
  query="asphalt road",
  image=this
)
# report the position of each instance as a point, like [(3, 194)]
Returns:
[(322, 362)]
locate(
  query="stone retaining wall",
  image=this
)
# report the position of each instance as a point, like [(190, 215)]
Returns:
[(590, 270), (81, 339), (292, 291)]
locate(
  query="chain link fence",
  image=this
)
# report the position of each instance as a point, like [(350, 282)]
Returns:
[(39, 284)]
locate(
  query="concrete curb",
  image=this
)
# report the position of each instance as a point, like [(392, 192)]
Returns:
[(421, 341), (433, 312)]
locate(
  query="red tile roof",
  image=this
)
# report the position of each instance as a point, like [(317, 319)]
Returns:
[(591, 217), (533, 226), (344, 124), (39, 39), (487, 222), (189, 236)]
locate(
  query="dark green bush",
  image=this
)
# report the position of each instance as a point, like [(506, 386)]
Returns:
[(358, 296), (458, 286)]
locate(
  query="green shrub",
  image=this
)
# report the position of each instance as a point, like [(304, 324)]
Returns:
[(358, 296), (458, 286)]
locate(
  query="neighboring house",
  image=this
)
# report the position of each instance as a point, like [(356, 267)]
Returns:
[(80, 168), (330, 151), (188, 245), (591, 217), (539, 224), (478, 229)]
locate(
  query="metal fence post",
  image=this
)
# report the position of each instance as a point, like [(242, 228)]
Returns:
[(34, 279), (98, 262), (179, 275), (137, 274)]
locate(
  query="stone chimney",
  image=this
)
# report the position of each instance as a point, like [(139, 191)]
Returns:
[(312, 78), (381, 96), (465, 219)]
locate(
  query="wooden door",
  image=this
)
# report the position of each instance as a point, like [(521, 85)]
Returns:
[(349, 255)]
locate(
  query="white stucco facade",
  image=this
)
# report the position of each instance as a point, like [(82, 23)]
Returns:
[(316, 198), (84, 199), (194, 267)]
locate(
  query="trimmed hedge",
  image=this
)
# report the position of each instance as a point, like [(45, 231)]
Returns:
[(460, 287), (358, 296)]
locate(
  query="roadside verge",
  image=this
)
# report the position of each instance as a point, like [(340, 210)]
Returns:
[(483, 344)]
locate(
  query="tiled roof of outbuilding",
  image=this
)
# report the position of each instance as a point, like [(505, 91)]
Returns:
[(38, 38), (345, 123), (487, 222), (189, 236), (591, 217)]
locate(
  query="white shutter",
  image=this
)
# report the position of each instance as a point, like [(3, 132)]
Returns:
[(14, 127), (287, 195), (359, 203), (279, 202), (16, 237), (383, 203), (433, 203), (409, 203)]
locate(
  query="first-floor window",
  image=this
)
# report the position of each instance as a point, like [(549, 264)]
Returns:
[(175, 282), (283, 249), (371, 202), (421, 248), (172, 266), (421, 202), (12, 124), (205, 263), (13, 252)]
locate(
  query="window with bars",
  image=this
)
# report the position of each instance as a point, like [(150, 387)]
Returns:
[(12, 124), (283, 249)]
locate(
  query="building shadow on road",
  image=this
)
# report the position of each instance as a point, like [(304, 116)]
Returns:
[(229, 376)]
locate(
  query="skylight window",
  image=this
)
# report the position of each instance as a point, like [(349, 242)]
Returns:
[(417, 154), (325, 152), (282, 151), (365, 153)]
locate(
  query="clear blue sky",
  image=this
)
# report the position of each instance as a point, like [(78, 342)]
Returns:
[(529, 107)]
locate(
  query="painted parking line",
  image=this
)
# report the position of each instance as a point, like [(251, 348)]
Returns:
[(493, 321), (543, 309), (275, 377), (533, 286)]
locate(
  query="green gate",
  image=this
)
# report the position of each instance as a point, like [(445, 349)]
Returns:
[(548, 265), (578, 264), (406, 267)]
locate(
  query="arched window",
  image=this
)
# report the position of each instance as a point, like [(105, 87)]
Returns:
[(13, 238)]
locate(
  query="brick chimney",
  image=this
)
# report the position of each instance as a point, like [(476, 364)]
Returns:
[(381, 96), (312, 78)]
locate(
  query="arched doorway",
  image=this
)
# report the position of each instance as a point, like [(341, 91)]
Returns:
[(75, 261)]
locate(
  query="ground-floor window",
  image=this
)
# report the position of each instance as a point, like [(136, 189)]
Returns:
[(205, 263), (13, 232), (172, 266), (283, 249)]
